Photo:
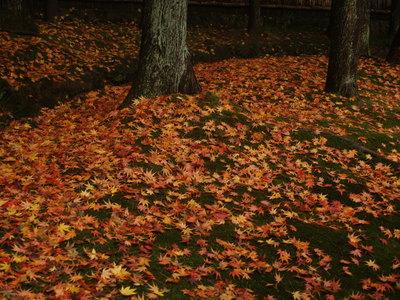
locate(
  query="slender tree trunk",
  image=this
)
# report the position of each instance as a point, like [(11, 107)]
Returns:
[(164, 61), (16, 17), (51, 10), (255, 21), (364, 11), (394, 17), (344, 49), (394, 51)]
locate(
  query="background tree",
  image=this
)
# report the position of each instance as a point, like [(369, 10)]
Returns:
[(394, 17), (165, 65), (16, 17), (51, 10), (330, 24), (394, 51), (345, 47), (255, 21), (364, 9)]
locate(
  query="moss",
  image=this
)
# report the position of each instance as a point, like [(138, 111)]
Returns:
[(101, 214), (224, 232), (331, 241), (207, 198), (210, 100), (218, 165), (119, 198)]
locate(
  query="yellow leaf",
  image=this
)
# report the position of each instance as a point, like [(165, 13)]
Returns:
[(143, 261), (63, 228), (5, 267), (73, 288), (227, 199), (10, 158), (371, 263), (159, 293), (297, 295), (93, 254), (127, 291), (119, 272), (19, 259)]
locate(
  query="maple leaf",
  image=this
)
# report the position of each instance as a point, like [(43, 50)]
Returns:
[(156, 290), (371, 263), (63, 228), (127, 291), (19, 259), (76, 277), (396, 263), (284, 256), (144, 261), (60, 290), (119, 271), (356, 252), (164, 260), (26, 294), (333, 286), (5, 267), (106, 275), (278, 279), (297, 295), (353, 240), (347, 271), (239, 273)]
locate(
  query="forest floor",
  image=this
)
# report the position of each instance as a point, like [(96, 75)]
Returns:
[(72, 46), (261, 186), (73, 56)]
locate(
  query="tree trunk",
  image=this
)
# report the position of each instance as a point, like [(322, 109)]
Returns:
[(344, 49), (164, 61), (330, 24), (394, 17), (364, 11), (394, 51), (51, 10), (255, 21), (16, 17)]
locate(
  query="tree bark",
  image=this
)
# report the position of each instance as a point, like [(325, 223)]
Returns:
[(344, 49), (16, 17), (164, 61), (364, 11), (394, 51), (255, 21), (51, 10), (394, 17)]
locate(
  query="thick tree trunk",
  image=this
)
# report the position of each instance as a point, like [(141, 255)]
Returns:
[(394, 51), (164, 61), (394, 17), (344, 49), (16, 17), (364, 11), (255, 21), (51, 10)]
